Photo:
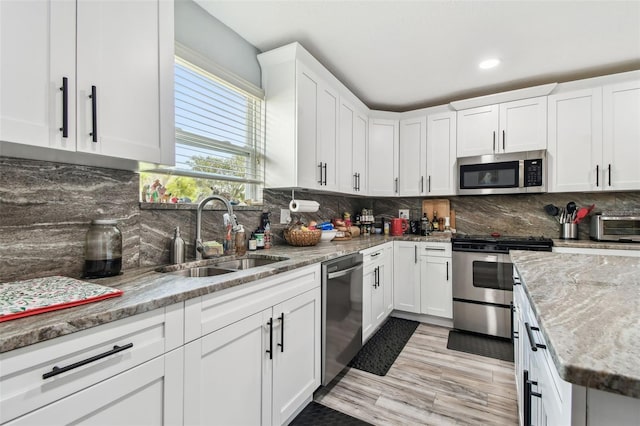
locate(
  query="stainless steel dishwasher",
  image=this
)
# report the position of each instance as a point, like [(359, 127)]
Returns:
[(341, 313)]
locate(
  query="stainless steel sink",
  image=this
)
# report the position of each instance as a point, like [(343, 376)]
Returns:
[(221, 266)]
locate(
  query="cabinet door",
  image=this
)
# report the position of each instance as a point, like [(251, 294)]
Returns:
[(346, 137), (37, 51), (326, 149), (621, 125), (307, 92), (575, 141), (441, 154), (436, 297), (386, 278), (477, 131), (523, 125), (296, 358), (228, 374), (360, 139), (120, 54), (413, 157), (150, 393), (406, 277), (368, 286), (383, 157)]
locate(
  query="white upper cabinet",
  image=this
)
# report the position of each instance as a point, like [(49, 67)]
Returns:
[(508, 127), (303, 106), (383, 157), (117, 58), (413, 156), (594, 136), (575, 140), (37, 57), (352, 149), (621, 136), (441, 154)]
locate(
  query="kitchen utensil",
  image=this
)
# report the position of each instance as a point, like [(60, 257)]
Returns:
[(551, 210), (582, 213), (571, 207), (398, 226)]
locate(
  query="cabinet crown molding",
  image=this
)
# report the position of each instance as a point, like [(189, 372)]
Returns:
[(497, 98)]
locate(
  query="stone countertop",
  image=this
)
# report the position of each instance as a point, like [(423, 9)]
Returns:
[(145, 289), (557, 242), (588, 309)]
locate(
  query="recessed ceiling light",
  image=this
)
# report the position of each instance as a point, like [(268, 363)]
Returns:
[(489, 63)]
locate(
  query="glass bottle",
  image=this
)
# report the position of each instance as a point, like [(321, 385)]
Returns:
[(103, 249), (435, 222), (241, 243)]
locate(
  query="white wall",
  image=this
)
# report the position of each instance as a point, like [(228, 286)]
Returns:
[(199, 31)]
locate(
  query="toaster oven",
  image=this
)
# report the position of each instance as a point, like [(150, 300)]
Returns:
[(620, 227)]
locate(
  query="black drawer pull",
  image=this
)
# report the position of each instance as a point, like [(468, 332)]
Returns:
[(270, 350), (281, 344), (59, 370), (532, 341)]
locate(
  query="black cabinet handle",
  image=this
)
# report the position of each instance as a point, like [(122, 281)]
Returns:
[(65, 107), (514, 333), (270, 350), (494, 141), (281, 344), (375, 254), (609, 168), (94, 114), (325, 174), (504, 138), (320, 167), (447, 270), (59, 370), (415, 254), (358, 182), (532, 341), (597, 175), (429, 183), (526, 398), (355, 181), (396, 183), (421, 184)]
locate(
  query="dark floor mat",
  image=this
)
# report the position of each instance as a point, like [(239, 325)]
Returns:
[(492, 347), (318, 414), (382, 349)]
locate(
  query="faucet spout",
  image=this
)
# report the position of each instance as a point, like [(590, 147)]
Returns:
[(205, 201)]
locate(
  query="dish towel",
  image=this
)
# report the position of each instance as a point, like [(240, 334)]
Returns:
[(31, 297)]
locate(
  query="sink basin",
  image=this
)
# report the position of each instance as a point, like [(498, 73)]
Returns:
[(251, 262), (221, 266)]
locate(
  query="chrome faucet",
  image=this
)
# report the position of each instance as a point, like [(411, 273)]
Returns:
[(232, 218)]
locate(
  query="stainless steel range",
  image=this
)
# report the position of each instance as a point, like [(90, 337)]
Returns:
[(483, 281)]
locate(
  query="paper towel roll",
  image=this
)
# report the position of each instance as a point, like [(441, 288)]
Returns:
[(304, 206)]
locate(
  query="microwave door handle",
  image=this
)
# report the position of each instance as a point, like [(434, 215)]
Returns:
[(494, 141)]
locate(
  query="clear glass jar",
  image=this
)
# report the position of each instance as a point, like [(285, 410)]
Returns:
[(103, 249)]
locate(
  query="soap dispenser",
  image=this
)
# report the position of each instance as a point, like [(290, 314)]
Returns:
[(177, 247)]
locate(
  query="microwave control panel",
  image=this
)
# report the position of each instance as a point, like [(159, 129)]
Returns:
[(533, 172)]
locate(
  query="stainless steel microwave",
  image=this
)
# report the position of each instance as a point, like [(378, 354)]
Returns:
[(622, 227), (513, 173)]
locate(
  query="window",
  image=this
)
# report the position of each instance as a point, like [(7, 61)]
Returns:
[(219, 139)]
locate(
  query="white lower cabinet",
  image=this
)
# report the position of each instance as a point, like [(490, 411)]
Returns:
[(377, 297), (258, 369), (406, 276), (422, 278), (436, 291), (128, 372), (544, 398)]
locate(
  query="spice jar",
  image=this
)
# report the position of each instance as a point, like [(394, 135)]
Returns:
[(103, 249)]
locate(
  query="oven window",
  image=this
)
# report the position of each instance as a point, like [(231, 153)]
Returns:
[(621, 227), (492, 175), (493, 275)]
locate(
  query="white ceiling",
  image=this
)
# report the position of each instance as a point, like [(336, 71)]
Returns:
[(401, 55)]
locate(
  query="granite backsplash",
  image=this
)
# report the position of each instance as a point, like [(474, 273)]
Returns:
[(46, 208)]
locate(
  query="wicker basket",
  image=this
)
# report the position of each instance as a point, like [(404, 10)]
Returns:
[(300, 238)]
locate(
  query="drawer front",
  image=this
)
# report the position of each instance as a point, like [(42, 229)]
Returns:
[(85, 358), (206, 314), (436, 249)]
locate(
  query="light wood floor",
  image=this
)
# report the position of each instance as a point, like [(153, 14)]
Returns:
[(429, 385)]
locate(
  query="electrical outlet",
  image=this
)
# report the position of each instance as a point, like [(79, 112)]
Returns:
[(403, 213), (285, 216)]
